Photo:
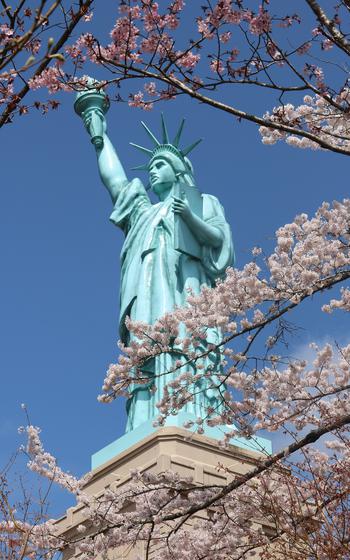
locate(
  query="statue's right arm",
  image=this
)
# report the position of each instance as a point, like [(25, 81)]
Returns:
[(111, 170)]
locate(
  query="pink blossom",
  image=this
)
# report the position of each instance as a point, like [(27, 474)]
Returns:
[(225, 37), (327, 45), (187, 60), (304, 48), (261, 23), (137, 100), (204, 29), (171, 21), (342, 303), (6, 34), (150, 88), (88, 17), (217, 66), (124, 35), (273, 51), (332, 122), (233, 55), (51, 78), (177, 6)]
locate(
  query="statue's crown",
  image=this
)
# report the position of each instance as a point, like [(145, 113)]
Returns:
[(166, 148)]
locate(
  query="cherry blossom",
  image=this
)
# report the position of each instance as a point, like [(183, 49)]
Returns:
[(31, 37), (146, 34), (268, 48), (293, 503), (294, 499)]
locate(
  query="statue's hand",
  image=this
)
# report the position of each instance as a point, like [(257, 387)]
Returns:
[(87, 117), (182, 208)]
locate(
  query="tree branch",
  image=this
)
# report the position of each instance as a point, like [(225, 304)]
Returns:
[(337, 36)]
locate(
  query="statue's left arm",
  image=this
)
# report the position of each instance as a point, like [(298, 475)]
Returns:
[(205, 233)]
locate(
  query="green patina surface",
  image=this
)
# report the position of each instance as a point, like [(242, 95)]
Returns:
[(181, 243)]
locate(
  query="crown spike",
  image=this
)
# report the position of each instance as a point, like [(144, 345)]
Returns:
[(150, 134), (165, 131), (178, 134), (191, 147), (143, 167), (145, 150)]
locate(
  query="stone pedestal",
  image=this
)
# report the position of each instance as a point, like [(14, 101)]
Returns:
[(168, 448)]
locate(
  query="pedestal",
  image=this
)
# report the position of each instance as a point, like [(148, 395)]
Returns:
[(168, 448)]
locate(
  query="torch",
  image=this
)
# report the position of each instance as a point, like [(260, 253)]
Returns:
[(92, 102)]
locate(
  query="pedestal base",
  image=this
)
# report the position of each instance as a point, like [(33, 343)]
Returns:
[(258, 444), (167, 448)]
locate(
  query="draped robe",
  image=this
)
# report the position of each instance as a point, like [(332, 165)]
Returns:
[(155, 278)]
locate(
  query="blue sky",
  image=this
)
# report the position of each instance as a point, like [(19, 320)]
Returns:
[(60, 254)]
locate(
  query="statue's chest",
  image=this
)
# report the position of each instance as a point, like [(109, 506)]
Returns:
[(163, 218)]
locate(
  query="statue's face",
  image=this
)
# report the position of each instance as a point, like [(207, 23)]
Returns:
[(161, 175)]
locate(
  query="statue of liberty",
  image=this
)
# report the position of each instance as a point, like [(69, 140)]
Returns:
[(181, 243)]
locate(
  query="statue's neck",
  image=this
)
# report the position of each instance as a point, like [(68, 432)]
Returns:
[(167, 193)]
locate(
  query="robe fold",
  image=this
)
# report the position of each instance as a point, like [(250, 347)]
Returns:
[(155, 278)]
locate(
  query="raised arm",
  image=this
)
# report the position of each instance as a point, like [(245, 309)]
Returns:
[(111, 170)]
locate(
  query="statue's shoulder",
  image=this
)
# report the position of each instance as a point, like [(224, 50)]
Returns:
[(210, 197), (136, 185), (211, 204), (133, 190)]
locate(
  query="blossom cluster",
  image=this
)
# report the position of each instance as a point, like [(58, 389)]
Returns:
[(45, 464), (145, 44), (296, 499), (325, 120), (228, 43), (31, 36), (278, 508)]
